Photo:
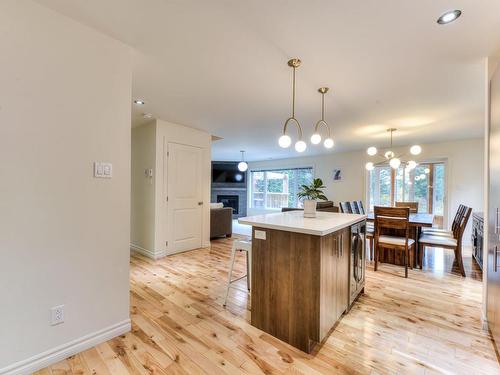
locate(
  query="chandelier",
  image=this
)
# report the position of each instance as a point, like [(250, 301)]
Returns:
[(389, 155)]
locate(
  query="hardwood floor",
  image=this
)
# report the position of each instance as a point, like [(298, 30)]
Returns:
[(426, 324)]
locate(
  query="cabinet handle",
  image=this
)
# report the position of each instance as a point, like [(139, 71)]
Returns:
[(342, 245), (495, 258)]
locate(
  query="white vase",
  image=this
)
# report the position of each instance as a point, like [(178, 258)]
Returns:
[(309, 208)]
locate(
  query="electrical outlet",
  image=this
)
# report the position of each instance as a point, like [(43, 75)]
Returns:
[(57, 315)]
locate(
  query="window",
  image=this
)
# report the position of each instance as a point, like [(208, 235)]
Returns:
[(277, 188), (424, 184)]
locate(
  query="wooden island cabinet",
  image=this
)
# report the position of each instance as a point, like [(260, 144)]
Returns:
[(300, 274)]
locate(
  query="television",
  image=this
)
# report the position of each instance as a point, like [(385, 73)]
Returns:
[(227, 172)]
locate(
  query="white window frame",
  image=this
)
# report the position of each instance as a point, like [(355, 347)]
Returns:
[(270, 169)]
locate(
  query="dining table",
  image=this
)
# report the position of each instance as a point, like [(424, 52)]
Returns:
[(416, 221)]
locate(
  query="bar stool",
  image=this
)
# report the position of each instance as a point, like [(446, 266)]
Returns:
[(240, 245)]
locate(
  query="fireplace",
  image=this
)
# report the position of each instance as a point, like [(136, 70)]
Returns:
[(232, 201)]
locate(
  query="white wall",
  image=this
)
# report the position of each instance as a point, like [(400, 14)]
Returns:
[(465, 178), (150, 227), (142, 219), (64, 239)]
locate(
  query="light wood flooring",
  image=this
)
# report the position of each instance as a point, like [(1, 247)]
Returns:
[(426, 324)]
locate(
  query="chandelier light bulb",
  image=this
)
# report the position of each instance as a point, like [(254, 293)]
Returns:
[(415, 150), (422, 176), (427, 170), (417, 178), (412, 164), (369, 166), (372, 151), (285, 141), (395, 163), (315, 139), (242, 166), (328, 143), (300, 146), (389, 154)]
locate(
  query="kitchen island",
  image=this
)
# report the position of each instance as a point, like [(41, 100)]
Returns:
[(305, 273)]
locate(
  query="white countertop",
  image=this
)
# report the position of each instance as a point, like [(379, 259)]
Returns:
[(294, 221)]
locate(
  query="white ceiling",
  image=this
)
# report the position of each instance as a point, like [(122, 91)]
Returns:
[(220, 65)]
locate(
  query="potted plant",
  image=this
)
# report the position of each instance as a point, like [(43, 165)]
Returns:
[(310, 194)]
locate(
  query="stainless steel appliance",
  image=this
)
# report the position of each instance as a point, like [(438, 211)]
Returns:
[(357, 264)]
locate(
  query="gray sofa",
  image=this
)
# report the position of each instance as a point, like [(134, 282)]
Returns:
[(221, 222)]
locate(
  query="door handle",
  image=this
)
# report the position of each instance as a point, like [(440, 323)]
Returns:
[(200, 203), (342, 245)]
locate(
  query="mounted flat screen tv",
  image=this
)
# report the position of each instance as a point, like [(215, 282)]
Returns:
[(227, 173)]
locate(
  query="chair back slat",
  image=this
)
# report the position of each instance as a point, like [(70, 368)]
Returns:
[(391, 218), (458, 217), (361, 208), (459, 230), (413, 206), (345, 207), (355, 207)]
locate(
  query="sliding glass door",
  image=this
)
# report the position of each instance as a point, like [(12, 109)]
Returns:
[(424, 184)]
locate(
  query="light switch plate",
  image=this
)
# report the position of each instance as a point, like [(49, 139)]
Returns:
[(260, 235), (103, 170)]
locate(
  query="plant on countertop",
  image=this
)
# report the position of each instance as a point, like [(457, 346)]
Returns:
[(313, 191)]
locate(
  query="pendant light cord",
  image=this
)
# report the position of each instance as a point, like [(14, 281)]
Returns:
[(322, 106), (293, 93)]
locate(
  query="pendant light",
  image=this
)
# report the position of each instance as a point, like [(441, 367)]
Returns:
[(242, 165), (316, 137), (394, 161), (285, 141)]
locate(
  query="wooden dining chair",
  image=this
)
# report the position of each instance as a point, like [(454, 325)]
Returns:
[(413, 206), (395, 219), (361, 207), (456, 222), (447, 242), (345, 207)]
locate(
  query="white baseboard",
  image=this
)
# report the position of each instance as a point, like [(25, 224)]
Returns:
[(64, 351), (148, 253)]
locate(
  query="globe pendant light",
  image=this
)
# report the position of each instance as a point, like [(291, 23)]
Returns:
[(242, 165), (285, 140), (316, 137)]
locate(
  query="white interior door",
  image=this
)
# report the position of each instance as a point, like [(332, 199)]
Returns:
[(185, 200)]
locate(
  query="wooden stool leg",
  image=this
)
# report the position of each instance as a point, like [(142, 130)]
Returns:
[(248, 271), (376, 258), (233, 254)]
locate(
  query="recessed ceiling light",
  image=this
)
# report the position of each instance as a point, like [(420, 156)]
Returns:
[(139, 102), (147, 115), (449, 16)]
